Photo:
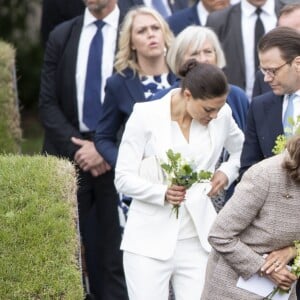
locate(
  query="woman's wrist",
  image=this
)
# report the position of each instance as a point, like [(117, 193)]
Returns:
[(293, 251)]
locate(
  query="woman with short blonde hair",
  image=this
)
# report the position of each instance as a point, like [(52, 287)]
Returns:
[(126, 56)]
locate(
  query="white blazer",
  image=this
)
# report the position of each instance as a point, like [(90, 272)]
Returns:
[(152, 229)]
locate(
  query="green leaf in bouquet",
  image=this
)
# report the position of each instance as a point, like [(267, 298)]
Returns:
[(167, 168), (204, 175)]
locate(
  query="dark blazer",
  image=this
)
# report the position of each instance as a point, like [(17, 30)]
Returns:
[(184, 18), (121, 93), (264, 124), (260, 86), (55, 12), (58, 98), (176, 5), (227, 25)]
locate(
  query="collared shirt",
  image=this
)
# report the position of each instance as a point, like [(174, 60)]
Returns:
[(88, 31), (249, 17), (165, 3), (202, 13), (296, 101)]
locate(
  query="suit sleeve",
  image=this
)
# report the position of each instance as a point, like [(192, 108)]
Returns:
[(251, 152), (236, 216), (135, 139), (109, 125), (233, 144), (58, 128)]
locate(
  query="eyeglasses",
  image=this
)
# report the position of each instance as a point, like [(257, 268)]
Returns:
[(272, 72)]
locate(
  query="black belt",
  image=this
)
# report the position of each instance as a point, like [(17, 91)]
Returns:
[(89, 135)]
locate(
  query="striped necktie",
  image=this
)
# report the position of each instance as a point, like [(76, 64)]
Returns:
[(288, 116)]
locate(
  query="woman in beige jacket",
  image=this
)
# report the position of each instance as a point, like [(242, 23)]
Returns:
[(261, 218)]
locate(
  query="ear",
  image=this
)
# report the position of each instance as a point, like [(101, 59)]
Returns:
[(187, 94), (297, 63)]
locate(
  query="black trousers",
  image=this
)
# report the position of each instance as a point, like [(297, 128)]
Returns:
[(101, 235), (298, 289)]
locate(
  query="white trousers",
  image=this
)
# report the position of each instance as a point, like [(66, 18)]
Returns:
[(148, 278)]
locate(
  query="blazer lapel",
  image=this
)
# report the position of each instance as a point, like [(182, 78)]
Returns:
[(237, 34), (193, 17), (134, 87), (272, 127), (162, 129), (70, 56)]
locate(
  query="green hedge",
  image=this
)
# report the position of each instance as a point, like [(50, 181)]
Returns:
[(10, 132), (39, 244)]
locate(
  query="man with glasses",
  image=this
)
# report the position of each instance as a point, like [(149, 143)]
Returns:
[(289, 16), (279, 55)]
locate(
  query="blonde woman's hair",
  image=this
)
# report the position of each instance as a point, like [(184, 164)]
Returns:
[(126, 57), (193, 37)]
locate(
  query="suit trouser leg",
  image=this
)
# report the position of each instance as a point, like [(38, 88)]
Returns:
[(148, 278), (298, 289), (109, 258)]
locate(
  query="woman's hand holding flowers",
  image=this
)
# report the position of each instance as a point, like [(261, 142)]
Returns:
[(283, 278), (175, 194), (218, 183)]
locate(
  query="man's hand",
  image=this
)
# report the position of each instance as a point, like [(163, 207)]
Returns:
[(88, 158)]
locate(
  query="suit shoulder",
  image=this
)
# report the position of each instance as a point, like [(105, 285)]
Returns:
[(223, 13), (119, 78), (176, 16), (220, 16), (149, 107), (182, 18), (264, 98), (63, 29), (270, 165)]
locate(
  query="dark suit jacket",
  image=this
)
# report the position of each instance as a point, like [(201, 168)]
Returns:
[(264, 124), (184, 18), (58, 96), (55, 12), (176, 5), (260, 86), (227, 25), (121, 93)]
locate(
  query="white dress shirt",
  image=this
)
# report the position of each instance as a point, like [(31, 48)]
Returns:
[(202, 13), (296, 102), (249, 17), (89, 29)]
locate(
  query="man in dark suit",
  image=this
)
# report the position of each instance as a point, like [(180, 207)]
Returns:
[(235, 28), (194, 15), (289, 16), (64, 86), (265, 116)]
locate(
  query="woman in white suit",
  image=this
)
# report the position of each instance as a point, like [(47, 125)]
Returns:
[(195, 121)]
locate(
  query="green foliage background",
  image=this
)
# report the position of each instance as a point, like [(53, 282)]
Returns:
[(10, 132), (16, 18)]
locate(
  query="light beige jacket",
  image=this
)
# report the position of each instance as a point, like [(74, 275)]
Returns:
[(262, 216)]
